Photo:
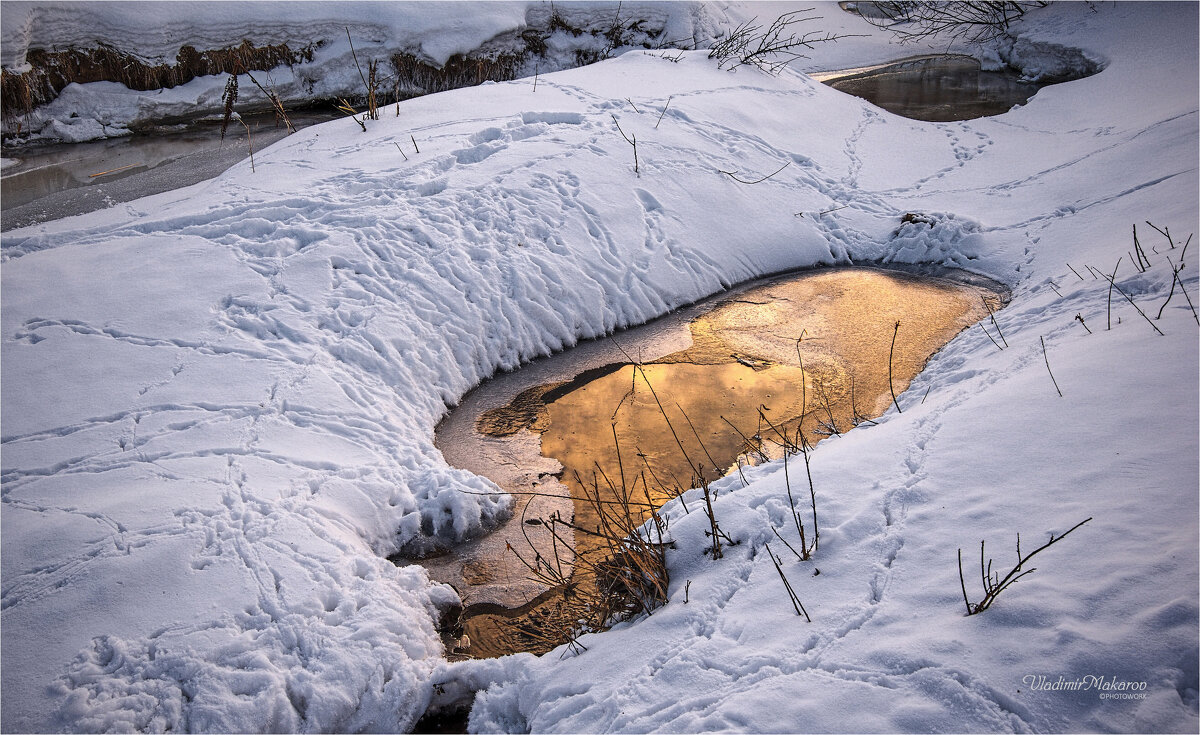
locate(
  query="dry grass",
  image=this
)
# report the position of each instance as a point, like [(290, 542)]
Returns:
[(51, 71)]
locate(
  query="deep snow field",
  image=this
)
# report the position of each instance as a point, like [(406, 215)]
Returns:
[(218, 406)]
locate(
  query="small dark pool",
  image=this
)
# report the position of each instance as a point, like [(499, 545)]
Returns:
[(935, 88)]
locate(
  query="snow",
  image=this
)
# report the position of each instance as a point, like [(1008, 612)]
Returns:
[(219, 402), (155, 32)]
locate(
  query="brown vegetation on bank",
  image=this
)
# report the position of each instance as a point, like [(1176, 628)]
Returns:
[(52, 71)]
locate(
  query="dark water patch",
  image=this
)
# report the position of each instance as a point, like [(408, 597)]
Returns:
[(936, 88), (48, 182)]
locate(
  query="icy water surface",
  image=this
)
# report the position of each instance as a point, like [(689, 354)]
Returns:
[(45, 182), (809, 352), (935, 88)]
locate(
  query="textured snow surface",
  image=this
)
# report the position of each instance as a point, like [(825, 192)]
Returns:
[(218, 407)]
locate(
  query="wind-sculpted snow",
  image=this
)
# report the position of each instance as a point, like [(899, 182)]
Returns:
[(219, 403)]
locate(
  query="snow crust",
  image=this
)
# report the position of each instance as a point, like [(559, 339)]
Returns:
[(218, 406)]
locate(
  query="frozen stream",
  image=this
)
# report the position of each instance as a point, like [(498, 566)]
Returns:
[(713, 368), (46, 182)]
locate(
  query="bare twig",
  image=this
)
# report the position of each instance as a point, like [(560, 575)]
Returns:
[(993, 584), (1110, 290), (249, 144), (276, 103), (372, 110), (796, 604), (1143, 261), (1113, 284), (921, 20), (1164, 232), (995, 323), (989, 336), (734, 176), (1175, 269), (346, 109), (631, 141), (664, 111), (1047, 359), (891, 352), (770, 50)]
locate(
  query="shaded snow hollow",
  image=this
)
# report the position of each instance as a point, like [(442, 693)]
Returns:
[(219, 401)]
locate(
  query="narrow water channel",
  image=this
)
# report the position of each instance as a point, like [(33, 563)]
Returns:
[(44, 182), (657, 407)]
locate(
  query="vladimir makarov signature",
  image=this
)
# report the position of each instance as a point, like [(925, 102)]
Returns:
[(1109, 687)]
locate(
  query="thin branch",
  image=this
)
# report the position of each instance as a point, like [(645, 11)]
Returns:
[(248, 143), (1110, 290), (276, 103), (994, 322), (992, 584), (1113, 283), (891, 352), (664, 111), (733, 176), (1047, 359), (1165, 233), (989, 336), (796, 604), (962, 581), (632, 142), (356, 64)]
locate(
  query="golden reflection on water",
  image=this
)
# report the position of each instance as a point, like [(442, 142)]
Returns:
[(809, 353), (744, 370)]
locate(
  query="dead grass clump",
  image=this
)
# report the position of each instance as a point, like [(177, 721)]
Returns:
[(52, 71), (616, 571), (415, 77)]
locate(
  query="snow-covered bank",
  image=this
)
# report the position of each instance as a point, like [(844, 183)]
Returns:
[(218, 407), (157, 37)]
